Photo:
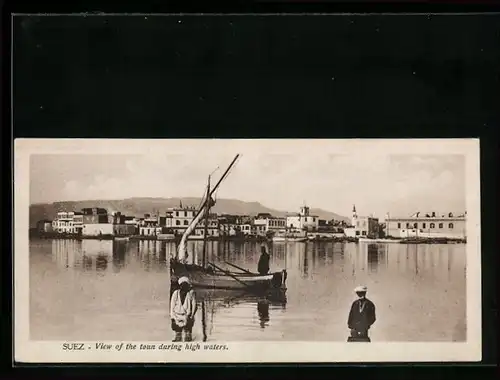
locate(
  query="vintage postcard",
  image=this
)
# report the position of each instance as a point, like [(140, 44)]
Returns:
[(209, 250)]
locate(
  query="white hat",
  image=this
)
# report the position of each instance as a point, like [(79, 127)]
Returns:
[(183, 279), (360, 288)]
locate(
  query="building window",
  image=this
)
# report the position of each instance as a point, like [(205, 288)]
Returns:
[(440, 225), (450, 225), (177, 222), (432, 225), (407, 225), (177, 213), (399, 225), (185, 222), (415, 225), (423, 225), (363, 233), (357, 232)]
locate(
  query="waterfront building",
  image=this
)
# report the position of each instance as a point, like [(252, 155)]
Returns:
[(78, 222), (120, 227), (178, 219), (148, 225), (97, 221), (115, 229), (269, 224), (63, 223), (132, 220), (247, 229), (430, 225), (303, 220), (213, 228), (260, 225), (44, 226), (362, 226), (229, 229), (94, 215), (151, 230), (116, 217), (97, 229)]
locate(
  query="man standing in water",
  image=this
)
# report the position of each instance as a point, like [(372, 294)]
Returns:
[(263, 265), (361, 316), (182, 310)]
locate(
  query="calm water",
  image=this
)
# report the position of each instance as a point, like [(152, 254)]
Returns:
[(104, 290)]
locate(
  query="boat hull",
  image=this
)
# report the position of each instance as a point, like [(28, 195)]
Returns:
[(283, 239), (226, 282), (367, 240), (211, 279)]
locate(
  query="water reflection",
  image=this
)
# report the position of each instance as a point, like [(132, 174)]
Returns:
[(263, 311), (403, 281), (372, 257)]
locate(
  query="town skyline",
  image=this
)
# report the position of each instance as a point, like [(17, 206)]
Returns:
[(376, 184)]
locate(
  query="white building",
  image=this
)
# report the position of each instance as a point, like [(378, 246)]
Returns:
[(229, 229), (247, 229), (150, 230), (64, 223), (213, 229), (96, 229), (430, 225), (178, 220), (78, 222), (267, 224), (362, 226), (303, 220)]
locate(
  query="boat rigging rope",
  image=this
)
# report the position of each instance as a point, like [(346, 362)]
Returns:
[(182, 253)]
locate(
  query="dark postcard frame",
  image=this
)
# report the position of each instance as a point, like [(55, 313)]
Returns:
[(485, 129)]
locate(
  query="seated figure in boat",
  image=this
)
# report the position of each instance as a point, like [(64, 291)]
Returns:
[(263, 265), (183, 309), (361, 316)]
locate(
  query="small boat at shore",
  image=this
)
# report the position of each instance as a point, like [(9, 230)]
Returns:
[(369, 240), (211, 276), (286, 236), (289, 240)]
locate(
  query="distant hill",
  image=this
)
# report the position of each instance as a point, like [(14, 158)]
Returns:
[(141, 206)]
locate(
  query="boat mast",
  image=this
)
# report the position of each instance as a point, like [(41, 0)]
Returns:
[(205, 231), (212, 191), (181, 249)]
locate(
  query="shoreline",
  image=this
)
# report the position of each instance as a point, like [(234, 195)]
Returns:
[(242, 239)]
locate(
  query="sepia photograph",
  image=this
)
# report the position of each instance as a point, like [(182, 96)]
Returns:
[(159, 217), (245, 244)]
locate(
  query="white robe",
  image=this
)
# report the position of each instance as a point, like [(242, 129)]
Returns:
[(181, 312)]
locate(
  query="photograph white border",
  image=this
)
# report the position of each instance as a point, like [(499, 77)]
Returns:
[(28, 351)]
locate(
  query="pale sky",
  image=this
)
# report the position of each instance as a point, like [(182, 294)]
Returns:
[(399, 184)]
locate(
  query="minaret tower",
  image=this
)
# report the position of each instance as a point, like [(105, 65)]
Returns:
[(354, 216)]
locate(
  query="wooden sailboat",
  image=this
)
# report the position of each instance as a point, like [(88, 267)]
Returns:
[(209, 275)]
